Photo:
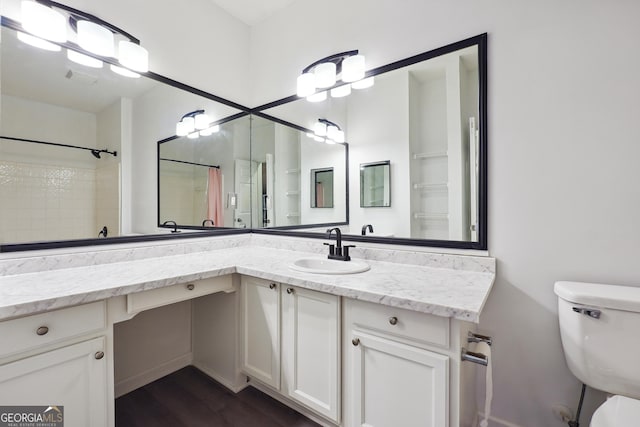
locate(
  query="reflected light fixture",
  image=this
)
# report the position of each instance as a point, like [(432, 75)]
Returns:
[(195, 124), (45, 21), (124, 72), (82, 59), (327, 131), (346, 68), (38, 42)]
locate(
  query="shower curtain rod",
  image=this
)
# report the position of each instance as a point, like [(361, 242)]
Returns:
[(190, 163), (94, 151)]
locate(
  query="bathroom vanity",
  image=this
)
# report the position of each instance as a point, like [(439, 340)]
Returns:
[(376, 348)]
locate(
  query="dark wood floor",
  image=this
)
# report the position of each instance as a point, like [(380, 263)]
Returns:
[(190, 398)]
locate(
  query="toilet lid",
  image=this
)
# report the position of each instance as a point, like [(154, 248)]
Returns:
[(617, 411)]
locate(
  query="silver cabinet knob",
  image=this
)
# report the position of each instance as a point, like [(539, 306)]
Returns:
[(393, 320), (289, 290), (99, 355), (355, 341), (272, 286), (42, 330), (191, 286)]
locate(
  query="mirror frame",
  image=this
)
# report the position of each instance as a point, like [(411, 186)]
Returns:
[(363, 166), (480, 41), (313, 189), (481, 244)]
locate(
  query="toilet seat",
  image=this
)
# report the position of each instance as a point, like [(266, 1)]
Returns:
[(617, 411)]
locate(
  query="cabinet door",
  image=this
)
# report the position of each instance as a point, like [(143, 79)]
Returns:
[(74, 377), (260, 301), (311, 349), (394, 384)]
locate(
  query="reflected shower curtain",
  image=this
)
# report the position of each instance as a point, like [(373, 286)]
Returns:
[(214, 197)]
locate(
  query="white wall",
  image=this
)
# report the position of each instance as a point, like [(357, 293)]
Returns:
[(315, 155), (372, 139), (564, 199)]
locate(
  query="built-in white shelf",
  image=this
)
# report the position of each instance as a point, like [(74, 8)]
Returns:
[(292, 171), (431, 216), (440, 186), (292, 193), (419, 156)]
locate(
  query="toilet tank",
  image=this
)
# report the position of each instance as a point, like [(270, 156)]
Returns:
[(600, 331)]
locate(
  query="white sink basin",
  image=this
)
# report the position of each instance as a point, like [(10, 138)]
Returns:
[(329, 266)]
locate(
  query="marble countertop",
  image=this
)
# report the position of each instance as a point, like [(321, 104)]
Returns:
[(460, 294)]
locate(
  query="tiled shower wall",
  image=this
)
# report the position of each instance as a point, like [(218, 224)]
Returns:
[(42, 202)]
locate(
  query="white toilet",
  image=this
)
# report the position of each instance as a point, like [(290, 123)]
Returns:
[(600, 330)]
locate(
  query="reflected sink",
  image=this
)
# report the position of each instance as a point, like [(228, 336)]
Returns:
[(329, 266)]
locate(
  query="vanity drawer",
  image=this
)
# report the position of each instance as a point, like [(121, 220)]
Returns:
[(168, 295), (29, 332), (407, 324)]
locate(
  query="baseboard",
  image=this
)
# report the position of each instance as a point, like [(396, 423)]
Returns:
[(494, 421), (219, 378), (129, 384)]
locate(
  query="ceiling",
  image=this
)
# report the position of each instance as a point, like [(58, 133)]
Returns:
[(252, 12)]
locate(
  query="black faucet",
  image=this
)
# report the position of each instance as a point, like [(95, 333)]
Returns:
[(208, 220), (103, 232), (338, 251), (365, 227), (175, 226)]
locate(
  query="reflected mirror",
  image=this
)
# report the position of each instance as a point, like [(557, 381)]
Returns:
[(76, 140), (427, 115), (283, 158), (201, 181), (215, 181), (375, 188), (321, 188)]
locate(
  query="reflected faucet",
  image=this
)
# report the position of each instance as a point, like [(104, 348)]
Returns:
[(103, 232), (365, 227), (338, 251), (175, 226), (204, 223)]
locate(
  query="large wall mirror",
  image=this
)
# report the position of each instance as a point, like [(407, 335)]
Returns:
[(216, 181), (68, 132), (427, 115), (76, 140)]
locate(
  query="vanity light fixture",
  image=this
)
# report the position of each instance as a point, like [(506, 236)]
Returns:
[(327, 131), (38, 42), (346, 68), (196, 124), (45, 21), (82, 59)]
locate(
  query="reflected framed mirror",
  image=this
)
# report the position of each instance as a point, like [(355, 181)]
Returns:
[(428, 115), (375, 184), (321, 188), (284, 155), (77, 141), (203, 181)]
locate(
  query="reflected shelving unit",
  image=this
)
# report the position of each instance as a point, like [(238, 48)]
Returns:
[(442, 99)]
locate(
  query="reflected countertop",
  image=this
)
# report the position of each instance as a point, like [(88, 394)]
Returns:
[(449, 292)]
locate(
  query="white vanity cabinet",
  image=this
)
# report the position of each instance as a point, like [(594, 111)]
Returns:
[(291, 342), (402, 368), (58, 358)]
